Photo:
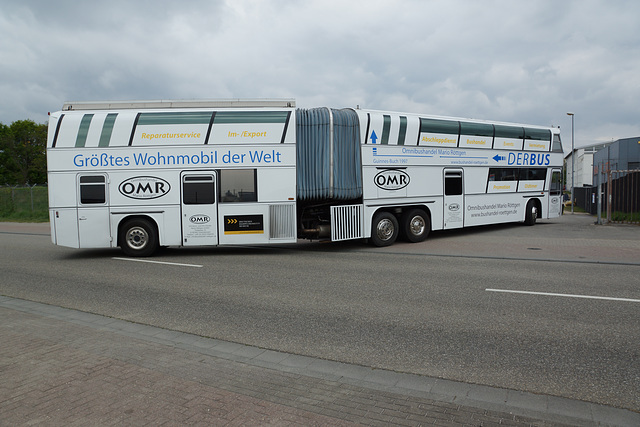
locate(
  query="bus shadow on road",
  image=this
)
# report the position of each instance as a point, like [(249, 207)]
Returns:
[(324, 246)]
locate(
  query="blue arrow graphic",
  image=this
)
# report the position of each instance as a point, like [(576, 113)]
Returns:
[(374, 137), (498, 157)]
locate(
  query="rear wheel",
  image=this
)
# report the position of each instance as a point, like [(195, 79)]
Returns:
[(138, 237), (415, 225), (384, 229), (531, 214)]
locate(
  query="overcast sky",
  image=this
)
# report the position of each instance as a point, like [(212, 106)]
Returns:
[(510, 60)]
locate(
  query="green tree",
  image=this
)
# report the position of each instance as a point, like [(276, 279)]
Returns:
[(6, 165), (23, 153)]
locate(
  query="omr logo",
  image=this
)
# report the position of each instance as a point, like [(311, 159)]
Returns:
[(454, 207), (199, 219), (144, 187), (391, 179)]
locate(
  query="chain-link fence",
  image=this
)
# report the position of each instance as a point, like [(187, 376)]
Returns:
[(24, 203)]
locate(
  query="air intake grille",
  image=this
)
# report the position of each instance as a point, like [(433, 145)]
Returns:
[(282, 223), (346, 222)]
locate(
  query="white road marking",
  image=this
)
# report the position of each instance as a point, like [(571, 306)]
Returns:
[(157, 262), (563, 295)]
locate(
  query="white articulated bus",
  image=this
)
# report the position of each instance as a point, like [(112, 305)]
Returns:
[(145, 174)]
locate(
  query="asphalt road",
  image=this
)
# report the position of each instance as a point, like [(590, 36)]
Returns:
[(437, 308)]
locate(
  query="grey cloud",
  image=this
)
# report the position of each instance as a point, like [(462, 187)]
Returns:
[(514, 61)]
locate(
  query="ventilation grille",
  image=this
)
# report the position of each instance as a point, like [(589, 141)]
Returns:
[(282, 223), (346, 222)]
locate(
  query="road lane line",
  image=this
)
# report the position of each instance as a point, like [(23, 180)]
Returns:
[(157, 262), (562, 295)]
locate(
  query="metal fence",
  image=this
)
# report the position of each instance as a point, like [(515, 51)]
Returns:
[(24, 202), (622, 201), (616, 201)]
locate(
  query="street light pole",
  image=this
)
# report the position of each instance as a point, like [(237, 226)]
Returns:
[(573, 170)]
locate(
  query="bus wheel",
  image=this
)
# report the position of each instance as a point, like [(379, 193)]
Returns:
[(416, 225), (138, 237), (531, 213), (384, 229)]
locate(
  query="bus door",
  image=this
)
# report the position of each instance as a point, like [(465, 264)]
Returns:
[(453, 198), (199, 208), (555, 194), (93, 211)]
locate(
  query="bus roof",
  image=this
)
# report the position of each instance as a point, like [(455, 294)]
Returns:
[(213, 103)]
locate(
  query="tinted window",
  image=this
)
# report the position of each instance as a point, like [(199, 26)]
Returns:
[(509, 132), (238, 186), (557, 143), (93, 189), (452, 183), (439, 126), (533, 174), (175, 118), (556, 183), (504, 174), (537, 134), (198, 190), (476, 129)]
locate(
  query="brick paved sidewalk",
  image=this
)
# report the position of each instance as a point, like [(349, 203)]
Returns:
[(64, 367)]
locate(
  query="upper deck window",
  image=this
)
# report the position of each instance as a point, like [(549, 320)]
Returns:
[(513, 132), (439, 126), (537, 134), (81, 138), (175, 118), (476, 129), (248, 117), (557, 143)]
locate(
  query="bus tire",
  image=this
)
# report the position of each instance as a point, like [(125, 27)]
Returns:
[(138, 237), (384, 229), (531, 214), (416, 225)]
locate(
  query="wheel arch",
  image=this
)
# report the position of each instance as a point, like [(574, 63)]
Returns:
[(412, 216), (124, 220), (537, 204), (398, 211)]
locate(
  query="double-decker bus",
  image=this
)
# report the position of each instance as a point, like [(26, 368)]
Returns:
[(145, 174)]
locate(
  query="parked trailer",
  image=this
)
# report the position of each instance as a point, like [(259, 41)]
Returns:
[(145, 174)]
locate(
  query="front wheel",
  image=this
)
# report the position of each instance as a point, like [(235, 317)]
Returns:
[(138, 237), (384, 229), (416, 225)]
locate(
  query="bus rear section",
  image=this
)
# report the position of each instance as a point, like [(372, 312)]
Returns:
[(140, 178)]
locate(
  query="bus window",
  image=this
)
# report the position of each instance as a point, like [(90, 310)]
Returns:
[(504, 174), (238, 186), (556, 183), (452, 183), (439, 126), (512, 132), (537, 134), (476, 129), (533, 174), (557, 144), (93, 189), (198, 190)]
